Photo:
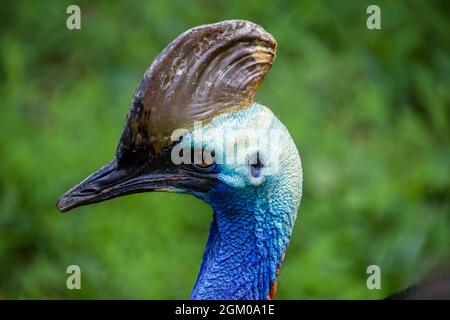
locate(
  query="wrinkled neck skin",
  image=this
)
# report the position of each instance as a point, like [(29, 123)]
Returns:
[(247, 241)]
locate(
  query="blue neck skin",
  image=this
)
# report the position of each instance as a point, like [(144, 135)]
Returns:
[(246, 243)]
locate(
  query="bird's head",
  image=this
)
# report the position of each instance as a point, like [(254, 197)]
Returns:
[(193, 126)]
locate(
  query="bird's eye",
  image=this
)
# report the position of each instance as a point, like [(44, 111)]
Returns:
[(256, 165), (206, 162)]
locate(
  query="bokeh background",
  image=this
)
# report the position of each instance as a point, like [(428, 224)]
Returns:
[(368, 110)]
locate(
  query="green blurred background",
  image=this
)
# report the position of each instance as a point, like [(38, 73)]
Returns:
[(368, 110)]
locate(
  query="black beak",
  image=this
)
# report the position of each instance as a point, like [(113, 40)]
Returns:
[(118, 179)]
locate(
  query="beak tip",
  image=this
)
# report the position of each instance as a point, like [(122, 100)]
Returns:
[(62, 205)]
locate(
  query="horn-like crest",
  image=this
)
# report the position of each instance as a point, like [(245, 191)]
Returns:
[(205, 71)]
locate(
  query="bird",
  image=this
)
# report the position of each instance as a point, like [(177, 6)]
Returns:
[(209, 75), (195, 101)]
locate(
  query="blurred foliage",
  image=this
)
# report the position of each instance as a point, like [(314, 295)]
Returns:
[(369, 111)]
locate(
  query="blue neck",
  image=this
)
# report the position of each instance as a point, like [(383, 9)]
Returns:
[(242, 254)]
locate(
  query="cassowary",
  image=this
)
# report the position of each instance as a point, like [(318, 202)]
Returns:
[(210, 74)]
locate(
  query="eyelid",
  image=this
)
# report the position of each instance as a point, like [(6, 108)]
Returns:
[(209, 168), (204, 164)]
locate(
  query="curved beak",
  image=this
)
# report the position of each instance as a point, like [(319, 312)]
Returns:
[(116, 179)]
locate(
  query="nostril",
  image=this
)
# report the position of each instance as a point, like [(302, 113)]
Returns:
[(90, 190)]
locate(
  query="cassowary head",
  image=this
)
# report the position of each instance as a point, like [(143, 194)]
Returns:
[(193, 128)]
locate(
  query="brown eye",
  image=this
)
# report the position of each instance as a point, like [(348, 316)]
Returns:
[(204, 164)]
